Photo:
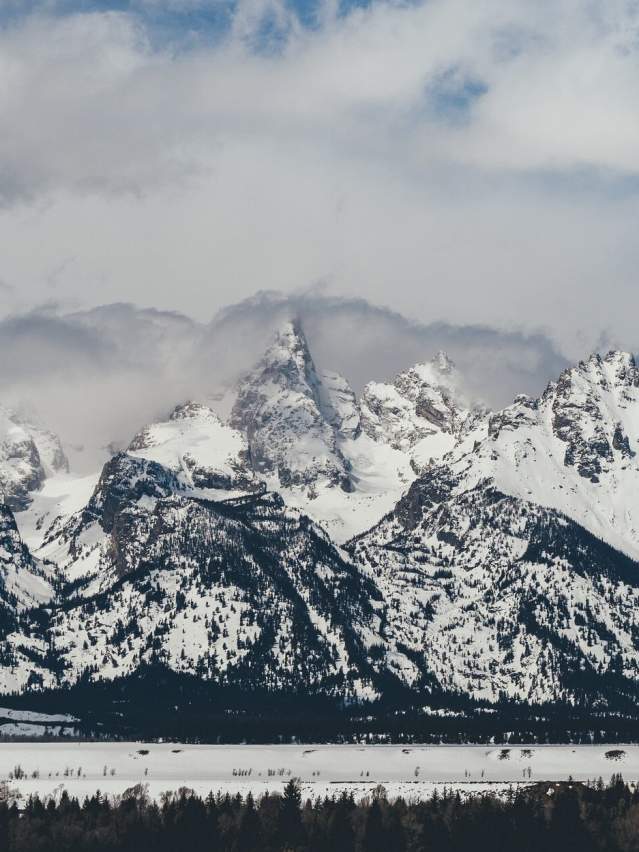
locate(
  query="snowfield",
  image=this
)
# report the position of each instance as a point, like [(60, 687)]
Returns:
[(410, 771)]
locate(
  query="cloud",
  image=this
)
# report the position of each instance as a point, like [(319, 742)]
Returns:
[(364, 341), (548, 87), (96, 377), (475, 165)]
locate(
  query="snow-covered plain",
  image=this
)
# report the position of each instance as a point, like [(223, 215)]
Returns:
[(410, 771)]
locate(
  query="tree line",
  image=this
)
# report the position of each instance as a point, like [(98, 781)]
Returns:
[(550, 817)]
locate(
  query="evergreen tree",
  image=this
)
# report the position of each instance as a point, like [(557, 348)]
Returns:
[(340, 833), (290, 822), (249, 836)]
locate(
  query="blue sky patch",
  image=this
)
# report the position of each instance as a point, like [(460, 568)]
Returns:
[(451, 95)]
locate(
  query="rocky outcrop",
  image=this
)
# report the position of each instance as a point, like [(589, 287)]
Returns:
[(583, 418), (424, 406)]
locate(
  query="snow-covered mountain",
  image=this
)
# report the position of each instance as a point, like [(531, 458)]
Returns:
[(23, 587), (186, 501), (423, 412), (246, 593), (511, 567), (407, 541), (28, 454), (242, 590), (345, 461), (292, 419)]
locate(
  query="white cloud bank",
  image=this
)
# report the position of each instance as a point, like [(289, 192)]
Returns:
[(475, 162)]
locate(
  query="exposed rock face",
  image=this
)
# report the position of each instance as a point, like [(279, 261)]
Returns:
[(126, 480), (523, 412), (583, 402), (291, 419), (422, 411)]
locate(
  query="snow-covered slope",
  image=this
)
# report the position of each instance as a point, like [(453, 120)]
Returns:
[(243, 591), (28, 454), (511, 566), (61, 496), (199, 449)]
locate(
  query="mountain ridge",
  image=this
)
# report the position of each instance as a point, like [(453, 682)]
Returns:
[(404, 543)]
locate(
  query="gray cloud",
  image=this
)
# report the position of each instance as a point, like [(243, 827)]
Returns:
[(98, 376), (364, 341), (95, 377)]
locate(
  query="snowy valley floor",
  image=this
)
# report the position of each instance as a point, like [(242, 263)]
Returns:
[(411, 771)]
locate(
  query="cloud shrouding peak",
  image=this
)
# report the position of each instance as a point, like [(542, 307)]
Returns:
[(98, 376), (474, 163)]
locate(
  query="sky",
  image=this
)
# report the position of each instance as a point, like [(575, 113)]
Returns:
[(463, 166)]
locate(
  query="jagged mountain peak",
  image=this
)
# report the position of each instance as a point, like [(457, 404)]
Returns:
[(288, 359), (192, 410), (615, 368), (290, 336), (424, 402), (307, 431), (29, 453), (616, 358), (442, 362), (290, 418), (438, 371)]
